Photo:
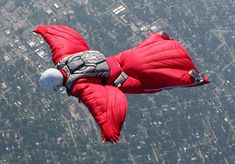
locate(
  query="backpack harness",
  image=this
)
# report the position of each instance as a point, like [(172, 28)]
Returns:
[(87, 64)]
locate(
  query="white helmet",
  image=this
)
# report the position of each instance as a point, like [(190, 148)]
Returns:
[(51, 80)]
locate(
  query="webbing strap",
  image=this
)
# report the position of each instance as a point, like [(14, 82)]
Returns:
[(120, 79)]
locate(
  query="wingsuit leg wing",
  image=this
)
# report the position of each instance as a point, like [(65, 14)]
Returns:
[(158, 63)]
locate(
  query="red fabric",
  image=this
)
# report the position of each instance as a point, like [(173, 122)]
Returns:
[(62, 40), (107, 104), (159, 62)]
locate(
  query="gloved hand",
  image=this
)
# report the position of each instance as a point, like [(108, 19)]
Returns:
[(109, 133), (165, 35)]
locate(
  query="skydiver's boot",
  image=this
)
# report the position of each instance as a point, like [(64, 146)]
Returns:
[(198, 77)]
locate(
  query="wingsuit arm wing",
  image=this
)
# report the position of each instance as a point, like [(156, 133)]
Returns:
[(107, 104), (62, 40)]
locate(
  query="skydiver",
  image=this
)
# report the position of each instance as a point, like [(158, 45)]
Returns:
[(158, 63)]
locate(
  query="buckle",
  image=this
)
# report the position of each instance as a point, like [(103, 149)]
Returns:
[(120, 79)]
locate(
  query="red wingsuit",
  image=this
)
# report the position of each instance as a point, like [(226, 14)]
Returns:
[(158, 63)]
